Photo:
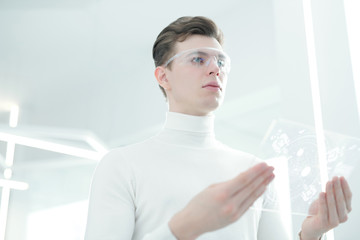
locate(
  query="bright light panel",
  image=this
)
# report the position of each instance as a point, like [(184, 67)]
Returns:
[(315, 91), (352, 9)]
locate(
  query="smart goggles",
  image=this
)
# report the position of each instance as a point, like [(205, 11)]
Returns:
[(201, 58)]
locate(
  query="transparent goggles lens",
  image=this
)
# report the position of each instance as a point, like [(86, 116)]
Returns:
[(201, 58)]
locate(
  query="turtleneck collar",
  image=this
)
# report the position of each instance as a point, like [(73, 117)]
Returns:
[(188, 130), (189, 123)]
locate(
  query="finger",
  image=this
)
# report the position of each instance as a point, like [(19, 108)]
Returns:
[(245, 178), (245, 205), (260, 180), (340, 200), (331, 205), (347, 193), (247, 196)]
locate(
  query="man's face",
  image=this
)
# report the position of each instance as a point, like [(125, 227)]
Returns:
[(192, 89)]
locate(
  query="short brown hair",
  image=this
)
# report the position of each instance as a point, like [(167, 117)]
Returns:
[(179, 31)]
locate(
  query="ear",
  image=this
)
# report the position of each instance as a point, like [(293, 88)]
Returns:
[(160, 75)]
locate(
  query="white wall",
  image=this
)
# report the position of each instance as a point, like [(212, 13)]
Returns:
[(87, 65)]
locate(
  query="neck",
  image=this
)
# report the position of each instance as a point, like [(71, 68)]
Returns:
[(188, 130), (190, 123)]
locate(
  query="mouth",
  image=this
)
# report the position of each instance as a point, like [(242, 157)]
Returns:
[(213, 86)]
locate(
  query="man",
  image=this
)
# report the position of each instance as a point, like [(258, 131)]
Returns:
[(183, 183)]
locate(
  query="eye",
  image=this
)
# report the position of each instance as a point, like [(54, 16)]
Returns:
[(198, 60), (221, 63)]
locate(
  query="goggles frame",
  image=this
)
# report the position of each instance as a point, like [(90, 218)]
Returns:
[(201, 57)]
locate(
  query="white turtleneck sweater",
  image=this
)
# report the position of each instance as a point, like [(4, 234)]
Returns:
[(137, 189)]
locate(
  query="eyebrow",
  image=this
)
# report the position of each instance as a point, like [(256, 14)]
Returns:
[(196, 52), (222, 56)]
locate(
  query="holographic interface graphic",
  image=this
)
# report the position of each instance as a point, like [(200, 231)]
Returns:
[(292, 149)]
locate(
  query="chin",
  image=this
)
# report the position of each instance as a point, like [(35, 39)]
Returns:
[(213, 105)]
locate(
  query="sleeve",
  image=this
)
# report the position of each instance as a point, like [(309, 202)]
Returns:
[(323, 237), (111, 212)]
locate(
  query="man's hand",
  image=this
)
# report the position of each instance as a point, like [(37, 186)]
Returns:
[(329, 210), (221, 204)]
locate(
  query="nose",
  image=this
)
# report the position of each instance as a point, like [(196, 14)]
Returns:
[(212, 67)]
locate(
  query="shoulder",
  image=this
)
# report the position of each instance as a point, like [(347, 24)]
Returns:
[(111, 164), (112, 157), (122, 156)]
